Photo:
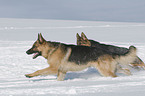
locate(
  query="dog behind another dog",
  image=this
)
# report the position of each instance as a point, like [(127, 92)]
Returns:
[(84, 41), (63, 58)]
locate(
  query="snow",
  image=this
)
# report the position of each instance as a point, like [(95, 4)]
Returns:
[(18, 35)]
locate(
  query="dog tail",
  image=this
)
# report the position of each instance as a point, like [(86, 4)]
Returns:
[(132, 50), (128, 57)]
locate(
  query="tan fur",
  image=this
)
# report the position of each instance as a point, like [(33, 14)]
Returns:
[(57, 58)]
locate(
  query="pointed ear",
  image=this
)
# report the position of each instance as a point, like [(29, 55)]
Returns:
[(41, 39), (79, 39), (84, 37), (78, 36)]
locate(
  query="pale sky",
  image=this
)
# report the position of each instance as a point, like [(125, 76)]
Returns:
[(96, 10)]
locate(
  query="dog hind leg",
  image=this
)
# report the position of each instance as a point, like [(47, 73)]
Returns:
[(61, 75), (106, 66), (107, 73), (138, 63)]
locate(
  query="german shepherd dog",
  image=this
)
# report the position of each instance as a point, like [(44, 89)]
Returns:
[(63, 58), (83, 40)]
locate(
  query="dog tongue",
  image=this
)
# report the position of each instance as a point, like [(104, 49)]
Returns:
[(35, 55)]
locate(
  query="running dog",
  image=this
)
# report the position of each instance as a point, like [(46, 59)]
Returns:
[(63, 58), (83, 40)]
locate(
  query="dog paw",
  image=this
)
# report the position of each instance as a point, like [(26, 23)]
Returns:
[(28, 76)]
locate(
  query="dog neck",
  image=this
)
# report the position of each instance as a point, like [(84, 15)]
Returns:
[(51, 51)]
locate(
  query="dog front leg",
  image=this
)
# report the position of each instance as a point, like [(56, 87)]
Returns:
[(61, 75), (46, 71)]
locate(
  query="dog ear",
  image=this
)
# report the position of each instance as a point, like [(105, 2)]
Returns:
[(84, 37), (78, 36), (79, 39), (40, 38)]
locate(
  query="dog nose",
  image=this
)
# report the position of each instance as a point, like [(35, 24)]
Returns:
[(28, 52)]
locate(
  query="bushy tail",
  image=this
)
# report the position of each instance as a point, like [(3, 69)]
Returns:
[(128, 57), (132, 50)]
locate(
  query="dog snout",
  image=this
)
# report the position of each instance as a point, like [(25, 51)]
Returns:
[(30, 51)]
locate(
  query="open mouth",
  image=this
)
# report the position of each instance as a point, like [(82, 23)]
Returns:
[(36, 55)]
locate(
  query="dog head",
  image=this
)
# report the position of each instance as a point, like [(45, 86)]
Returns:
[(37, 47), (83, 40)]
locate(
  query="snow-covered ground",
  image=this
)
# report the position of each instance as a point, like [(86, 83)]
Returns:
[(18, 35)]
